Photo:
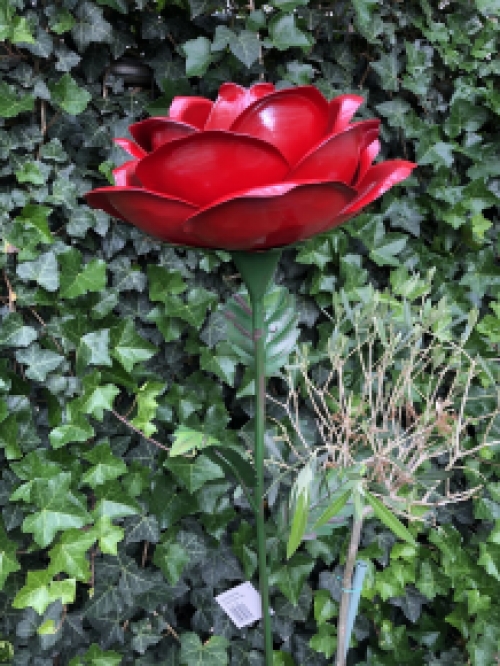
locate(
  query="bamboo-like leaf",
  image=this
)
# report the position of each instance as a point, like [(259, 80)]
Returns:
[(389, 519), (299, 524), (333, 509)]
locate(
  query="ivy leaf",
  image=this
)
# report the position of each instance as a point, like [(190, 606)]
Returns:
[(114, 502), (142, 528), (40, 361), (211, 653), (106, 466), (69, 554), (290, 577), (288, 5), (386, 249), (194, 475), (9, 437), (97, 397), (147, 407), (8, 559), (108, 535), (489, 558), (128, 348), (388, 68), (76, 431), (59, 509), (40, 591), (172, 558), (187, 440), (69, 96), (96, 656), (246, 47), (35, 217), (10, 104), (285, 34), (75, 280), (93, 349), (198, 57), (488, 7), (193, 310), (437, 153), (13, 332), (21, 32), (60, 19), (44, 271), (163, 281), (91, 26), (464, 117), (32, 172), (219, 362)]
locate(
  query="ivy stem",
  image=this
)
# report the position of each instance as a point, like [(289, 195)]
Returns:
[(258, 334)]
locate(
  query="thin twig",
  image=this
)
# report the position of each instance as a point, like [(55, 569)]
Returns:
[(11, 293), (139, 432)]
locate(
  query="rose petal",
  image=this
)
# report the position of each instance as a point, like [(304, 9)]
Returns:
[(337, 157), (232, 101), (98, 199), (131, 148), (154, 132), (125, 174), (342, 109), (271, 216), (191, 110), (157, 215), (293, 120), (210, 165), (366, 158), (378, 180)]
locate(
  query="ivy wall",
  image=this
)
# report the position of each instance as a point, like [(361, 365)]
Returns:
[(111, 552)]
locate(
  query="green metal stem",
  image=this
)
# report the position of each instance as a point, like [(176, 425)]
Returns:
[(260, 398), (256, 270)]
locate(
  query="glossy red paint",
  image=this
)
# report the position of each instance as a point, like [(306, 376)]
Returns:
[(260, 168)]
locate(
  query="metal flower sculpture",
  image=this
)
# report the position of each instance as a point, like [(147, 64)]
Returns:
[(252, 172), (257, 169)]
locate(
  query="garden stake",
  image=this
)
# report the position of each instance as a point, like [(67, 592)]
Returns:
[(355, 592), (256, 270)]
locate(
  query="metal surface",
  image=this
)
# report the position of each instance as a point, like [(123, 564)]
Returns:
[(258, 169)]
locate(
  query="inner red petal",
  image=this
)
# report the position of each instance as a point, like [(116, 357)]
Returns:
[(207, 166), (154, 132), (293, 120)]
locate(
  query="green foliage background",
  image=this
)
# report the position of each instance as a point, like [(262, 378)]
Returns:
[(110, 552)]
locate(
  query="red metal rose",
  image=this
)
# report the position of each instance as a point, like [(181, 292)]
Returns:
[(256, 169)]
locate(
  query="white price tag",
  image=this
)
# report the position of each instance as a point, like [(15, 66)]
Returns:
[(242, 604)]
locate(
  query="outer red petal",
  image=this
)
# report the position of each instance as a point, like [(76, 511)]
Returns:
[(232, 101), (337, 157), (342, 109), (210, 165), (378, 180), (157, 215), (131, 148), (191, 110), (98, 199), (270, 216), (294, 120), (366, 158), (154, 132), (125, 174)]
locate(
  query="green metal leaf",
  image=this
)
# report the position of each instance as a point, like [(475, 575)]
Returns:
[(281, 328)]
